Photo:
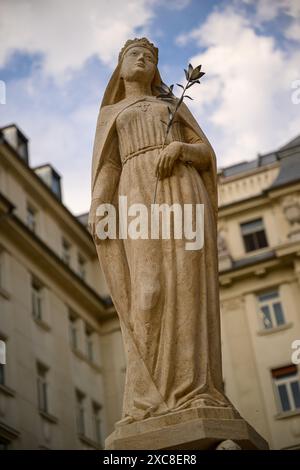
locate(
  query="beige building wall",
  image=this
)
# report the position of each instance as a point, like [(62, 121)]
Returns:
[(35, 344), (250, 351)]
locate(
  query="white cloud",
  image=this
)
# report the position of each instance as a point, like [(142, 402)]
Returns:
[(62, 137), (66, 34), (69, 32), (245, 98), (293, 30), (244, 102), (178, 4), (267, 10)]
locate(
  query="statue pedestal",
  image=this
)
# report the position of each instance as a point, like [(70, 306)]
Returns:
[(190, 429)]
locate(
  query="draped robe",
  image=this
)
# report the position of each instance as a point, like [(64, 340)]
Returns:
[(172, 337)]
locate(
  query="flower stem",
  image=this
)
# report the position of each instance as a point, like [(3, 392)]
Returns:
[(170, 123)]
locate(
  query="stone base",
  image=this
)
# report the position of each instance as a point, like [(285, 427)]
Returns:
[(194, 429)]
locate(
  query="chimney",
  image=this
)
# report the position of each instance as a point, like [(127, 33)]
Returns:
[(51, 178), (17, 140)]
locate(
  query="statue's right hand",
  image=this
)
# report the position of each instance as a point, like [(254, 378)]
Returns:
[(167, 158)]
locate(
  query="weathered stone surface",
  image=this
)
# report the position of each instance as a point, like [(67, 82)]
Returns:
[(228, 445), (166, 296)]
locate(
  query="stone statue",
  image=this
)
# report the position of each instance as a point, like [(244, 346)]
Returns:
[(166, 297)]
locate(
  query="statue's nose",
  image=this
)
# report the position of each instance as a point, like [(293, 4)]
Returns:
[(141, 58)]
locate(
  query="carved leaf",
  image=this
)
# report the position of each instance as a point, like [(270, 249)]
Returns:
[(170, 114), (196, 74)]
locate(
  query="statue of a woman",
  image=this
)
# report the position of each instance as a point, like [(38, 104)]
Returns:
[(166, 296)]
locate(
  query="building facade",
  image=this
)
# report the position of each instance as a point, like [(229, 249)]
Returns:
[(259, 260), (62, 384), (55, 316)]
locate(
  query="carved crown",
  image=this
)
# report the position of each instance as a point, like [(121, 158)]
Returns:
[(142, 42)]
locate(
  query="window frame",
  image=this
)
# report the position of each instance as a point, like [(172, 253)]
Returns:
[(43, 387), (66, 247), (286, 379), (3, 377), (2, 269), (33, 223), (80, 412), (269, 303), (73, 330), (37, 298), (89, 343), (97, 421), (81, 262), (5, 277)]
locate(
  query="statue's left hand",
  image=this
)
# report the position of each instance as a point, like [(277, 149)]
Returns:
[(167, 158)]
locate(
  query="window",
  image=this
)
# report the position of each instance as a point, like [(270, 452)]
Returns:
[(73, 330), (37, 299), (81, 267), (89, 343), (1, 270), (254, 235), (2, 374), (5, 286), (66, 251), (31, 218), (2, 361), (287, 385), (80, 405), (97, 423), (42, 385), (271, 310)]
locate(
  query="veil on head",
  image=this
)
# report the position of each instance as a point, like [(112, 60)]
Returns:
[(115, 90)]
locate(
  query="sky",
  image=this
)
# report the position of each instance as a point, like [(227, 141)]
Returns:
[(56, 57)]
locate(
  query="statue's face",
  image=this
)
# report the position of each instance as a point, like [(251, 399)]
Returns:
[(138, 65)]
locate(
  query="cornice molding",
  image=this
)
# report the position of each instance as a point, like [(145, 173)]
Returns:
[(39, 190), (32, 247), (284, 254)]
